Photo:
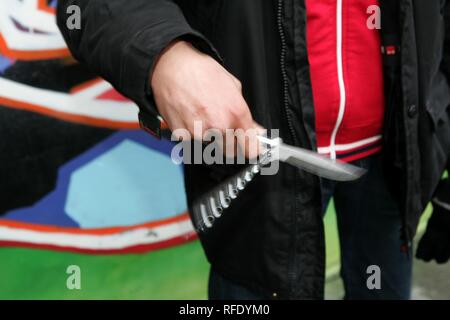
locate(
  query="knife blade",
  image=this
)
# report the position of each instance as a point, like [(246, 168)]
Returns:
[(210, 207), (312, 162)]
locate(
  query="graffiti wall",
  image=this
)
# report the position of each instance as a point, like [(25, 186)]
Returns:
[(79, 180)]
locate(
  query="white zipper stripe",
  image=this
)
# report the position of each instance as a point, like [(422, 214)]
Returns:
[(342, 90), (350, 146)]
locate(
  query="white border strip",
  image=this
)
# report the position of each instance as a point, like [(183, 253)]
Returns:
[(79, 104), (117, 241), (350, 146)]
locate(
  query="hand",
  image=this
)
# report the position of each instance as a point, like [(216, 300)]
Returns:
[(435, 244), (190, 86)]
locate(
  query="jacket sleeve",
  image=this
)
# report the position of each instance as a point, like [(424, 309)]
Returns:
[(120, 41), (446, 58), (442, 194)]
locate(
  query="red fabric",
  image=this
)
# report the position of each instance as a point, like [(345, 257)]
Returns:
[(362, 74)]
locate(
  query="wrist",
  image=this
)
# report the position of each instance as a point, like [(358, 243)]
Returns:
[(172, 51)]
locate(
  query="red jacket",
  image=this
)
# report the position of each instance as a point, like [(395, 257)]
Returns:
[(347, 79)]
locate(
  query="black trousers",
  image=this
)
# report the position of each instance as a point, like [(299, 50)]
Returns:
[(369, 224)]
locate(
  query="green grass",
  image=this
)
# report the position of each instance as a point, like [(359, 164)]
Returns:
[(175, 273), (332, 242)]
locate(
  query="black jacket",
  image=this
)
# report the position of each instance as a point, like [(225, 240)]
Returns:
[(272, 239)]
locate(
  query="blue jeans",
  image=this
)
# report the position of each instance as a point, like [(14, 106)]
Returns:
[(369, 224)]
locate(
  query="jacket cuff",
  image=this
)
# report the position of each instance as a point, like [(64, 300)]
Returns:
[(137, 69), (442, 196)]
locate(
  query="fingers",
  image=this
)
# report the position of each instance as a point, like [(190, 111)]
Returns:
[(238, 129), (246, 132), (236, 81), (248, 143)]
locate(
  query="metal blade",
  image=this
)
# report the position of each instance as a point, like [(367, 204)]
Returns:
[(316, 164)]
